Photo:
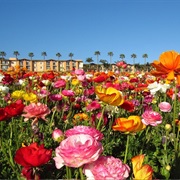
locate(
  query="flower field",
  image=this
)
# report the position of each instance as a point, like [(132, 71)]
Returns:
[(91, 125)]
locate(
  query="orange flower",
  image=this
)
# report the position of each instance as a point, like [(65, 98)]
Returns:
[(109, 95), (141, 171), (131, 124), (169, 65)]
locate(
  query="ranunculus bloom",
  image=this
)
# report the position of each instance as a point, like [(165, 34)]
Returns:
[(68, 93), (34, 110), (77, 150), (55, 97), (15, 109), (3, 114), (131, 124), (168, 64), (151, 117), (79, 72), (59, 83), (31, 97), (165, 107), (106, 167), (94, 105), (109, 95), (85, 130), (32, 155), (141, 171)]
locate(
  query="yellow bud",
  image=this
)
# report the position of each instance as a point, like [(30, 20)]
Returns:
[(168, 167), (168, 127)]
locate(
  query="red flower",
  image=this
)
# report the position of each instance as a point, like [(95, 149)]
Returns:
[(128, 106), (32, 155), (49, 76), (7, 79), (3, 115), (14, 109)]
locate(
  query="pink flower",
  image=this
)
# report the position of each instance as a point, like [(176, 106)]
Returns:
[(84, 130), (81, 78), (77, 150), (68, 93), (55, 97), (106, 167), (60, 83), (37, 111), (151, 117), (94, 105), (79, 72), (165, 107)]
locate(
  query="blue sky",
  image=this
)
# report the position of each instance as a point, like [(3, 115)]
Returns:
[(82, 27)]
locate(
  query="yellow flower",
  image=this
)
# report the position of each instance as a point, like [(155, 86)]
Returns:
[(75, 82), (18, 94), (109, 95), (141, 171), (131, 124), (30, 97)]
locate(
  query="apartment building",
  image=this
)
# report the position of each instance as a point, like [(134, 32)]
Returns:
[(41, 65)]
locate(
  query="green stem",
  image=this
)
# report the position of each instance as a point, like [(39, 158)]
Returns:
[(174, 117), (100, 120), (81, 173), (126, 151)]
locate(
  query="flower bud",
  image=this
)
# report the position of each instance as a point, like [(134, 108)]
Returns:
[(168, 167), (168, 127), (57, 135)]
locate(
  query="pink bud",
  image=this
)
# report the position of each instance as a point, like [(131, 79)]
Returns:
[(57, 135)]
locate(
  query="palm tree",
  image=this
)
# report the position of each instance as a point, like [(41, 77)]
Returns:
[(2, 54), (134, 56), (31, 54), (89, 60), (58, 55), (97, 53), (16, 53), (44, 54), (110, 54), (104, 62), (122, 56), (71, 55), (145, 56)]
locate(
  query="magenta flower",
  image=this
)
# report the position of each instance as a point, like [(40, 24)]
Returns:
[(77, 150), (55, 97), (151, 117), (94, 105), (37, 111), (165, 107), (85, 130), (107, 167), (59, 83), (68, 93)]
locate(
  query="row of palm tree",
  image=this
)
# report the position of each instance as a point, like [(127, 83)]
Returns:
[(31, 54), (122, 57), (88, 60)]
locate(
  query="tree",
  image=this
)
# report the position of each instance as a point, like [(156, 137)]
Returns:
[(122, 56), (134, 56), (31, 54), (2, 54), (104, 62), (71, 55), (97, 53), (16, 53), (44, 54), (145, 56), (89, 60), (58, 55), (110, 54)]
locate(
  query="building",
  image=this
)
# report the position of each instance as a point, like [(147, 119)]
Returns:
[(41, 65)]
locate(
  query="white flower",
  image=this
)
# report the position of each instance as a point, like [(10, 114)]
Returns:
[(46, 82), (1, 77), (155, 87), (4, 89)]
